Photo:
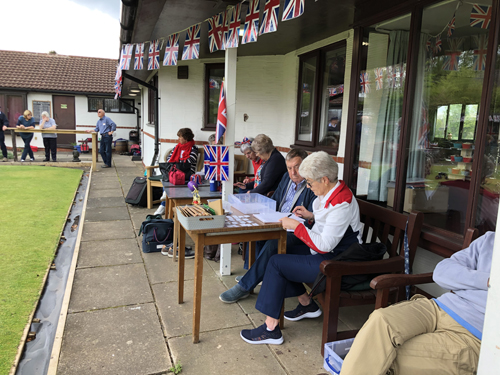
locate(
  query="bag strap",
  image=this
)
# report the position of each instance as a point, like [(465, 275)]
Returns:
[(156, 237), (407, 259)]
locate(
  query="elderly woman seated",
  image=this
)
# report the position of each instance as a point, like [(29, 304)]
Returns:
[(336, 227), (246, 149)]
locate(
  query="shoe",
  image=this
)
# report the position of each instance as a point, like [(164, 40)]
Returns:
[(238, 278), (160, 210), (105, 166), (301, 312), (5, 159), (54, 161), (261, 335), (164, 196), (188, 252), (234, 294), (165, 248), (46, 159), (22, 160)]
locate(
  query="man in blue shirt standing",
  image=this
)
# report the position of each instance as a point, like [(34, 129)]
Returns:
[(105, 126)]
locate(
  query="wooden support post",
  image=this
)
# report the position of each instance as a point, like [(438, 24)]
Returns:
[(94, 151), (14, 143)]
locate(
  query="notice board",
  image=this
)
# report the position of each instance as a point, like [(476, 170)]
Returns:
[(40, 106)]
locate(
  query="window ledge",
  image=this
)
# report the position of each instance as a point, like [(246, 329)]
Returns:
[(149, 124), (206, 129), (329, 150)]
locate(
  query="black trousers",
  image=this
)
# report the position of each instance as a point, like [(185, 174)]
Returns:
[(50, 145), (2, 144)]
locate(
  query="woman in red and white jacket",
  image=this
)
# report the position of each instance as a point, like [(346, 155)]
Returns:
[(336, 226)]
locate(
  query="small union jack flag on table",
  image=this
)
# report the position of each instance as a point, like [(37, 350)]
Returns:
[(219, 163), (270, 17), (171, 50), (154, 55), (292, 9), (215, 32), (251, 22), (139, 56), (480, 16), (234, 27), (192, 43)]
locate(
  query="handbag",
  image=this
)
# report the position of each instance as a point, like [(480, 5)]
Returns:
[(176, 177), (165, 170), (156, 233), (182, 166)]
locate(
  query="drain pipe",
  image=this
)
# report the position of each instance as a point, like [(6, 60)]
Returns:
[(157, 132), (136, 110)]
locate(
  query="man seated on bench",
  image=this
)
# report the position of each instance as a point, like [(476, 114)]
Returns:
[(336, 227), (422, 336), (291, 192)]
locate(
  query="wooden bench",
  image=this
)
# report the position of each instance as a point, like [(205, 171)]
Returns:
[(379, 224)]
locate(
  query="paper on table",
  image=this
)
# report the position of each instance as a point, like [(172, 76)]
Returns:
[(275, 217)]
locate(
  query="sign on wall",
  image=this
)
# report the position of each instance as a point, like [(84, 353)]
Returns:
[(40, 106)]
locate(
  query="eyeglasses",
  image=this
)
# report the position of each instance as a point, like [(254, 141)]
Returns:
[(309, 183)]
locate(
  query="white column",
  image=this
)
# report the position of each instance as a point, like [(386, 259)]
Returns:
[(489, 357), (227, 187)]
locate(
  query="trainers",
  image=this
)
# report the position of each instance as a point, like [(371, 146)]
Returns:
[(234, 294), (160, 210), (46, 160), (169, 251), (165, 248), (22, 160), (5, 159), (164, 196), (238, 278), (32, 159), (261, 335), (301, 312)]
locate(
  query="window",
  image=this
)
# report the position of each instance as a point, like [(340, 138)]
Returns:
[(214, 75), (111, 105), (320, 97)]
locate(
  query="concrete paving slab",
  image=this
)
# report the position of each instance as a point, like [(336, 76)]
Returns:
[(112, 230), (103, 287), (108, 183), (126, 340), (104, 178), (108, 253), (130, 172), (100, 193), (107, 201), (223, 352), (106, 214), (215, 315)]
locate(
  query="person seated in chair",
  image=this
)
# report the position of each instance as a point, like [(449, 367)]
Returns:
[(336, 226), (246, 149), (291, 192), (423, 336)]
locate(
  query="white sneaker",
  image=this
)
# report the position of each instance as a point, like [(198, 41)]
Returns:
[(164, 196), (160, 210), (22, 160)]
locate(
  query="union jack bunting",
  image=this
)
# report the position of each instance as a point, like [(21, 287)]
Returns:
[(438, 44), (480, 52), (139, 56), (126, 56), (364, 82), (451, 26), (379, 78), (219, 163), (251, 22), (171, 50), (292, 9), (428, 45), (215, 32), (480, 16), (390, 81), (118, 87), (220, 128), (206, 162), (118, 74), (452, 58), (192, 43), (270, 18), (234, 27), (224, 28), (154, 55), (334, 91)]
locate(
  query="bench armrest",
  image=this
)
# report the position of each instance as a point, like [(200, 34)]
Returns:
[(390, 281), (153, 167), (336, 268)]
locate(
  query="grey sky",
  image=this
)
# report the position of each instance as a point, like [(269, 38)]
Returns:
[(111, 7)]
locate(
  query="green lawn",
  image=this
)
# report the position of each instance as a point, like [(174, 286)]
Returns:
[(34, 202)]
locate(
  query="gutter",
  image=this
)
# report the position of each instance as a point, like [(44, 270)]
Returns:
[(129, 11), (136, 110)]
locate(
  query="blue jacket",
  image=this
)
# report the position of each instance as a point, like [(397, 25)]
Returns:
[(306, 198)]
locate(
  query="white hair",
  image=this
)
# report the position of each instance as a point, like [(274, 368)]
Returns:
[(318, 165), (45, 113)]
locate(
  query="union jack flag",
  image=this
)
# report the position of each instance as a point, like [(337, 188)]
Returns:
[(334, 91), (452, 58), (234, 27), (379, 78), (364, 82), (292, 9), (192, 43), (206, 162), (154, 55), (270, 17), (480, 16), (215, 32), (480, 52), (438, 44), (118, 87), (251, 22), (451, 26), (220, 128), (171, 50), (126, 56), (219, 163), (428, 45), (118, 74), (139, 56)]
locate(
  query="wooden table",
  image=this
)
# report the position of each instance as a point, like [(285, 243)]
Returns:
[(167, 185), (204, 237)]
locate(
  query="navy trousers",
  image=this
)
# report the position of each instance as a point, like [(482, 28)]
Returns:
[(2, 144), (27, 148), (264, 250), (50, 145), (105, 148)]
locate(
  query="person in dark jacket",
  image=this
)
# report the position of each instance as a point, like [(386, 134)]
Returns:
[(26, 122), (291, 192), (4, 124), (273, 167)]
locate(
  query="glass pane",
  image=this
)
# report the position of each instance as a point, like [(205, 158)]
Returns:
[(450, 72), (125, 106), (111, 105), (306, 103), (214, 81), (332, 98), (95, 104), (382, 80)]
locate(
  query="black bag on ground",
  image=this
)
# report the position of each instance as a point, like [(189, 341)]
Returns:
[(355, 253), (156, 233), (138, 195)]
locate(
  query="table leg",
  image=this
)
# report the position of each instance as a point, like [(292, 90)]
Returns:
[(180, 267), (167, 208), (282, 250), (176, 237), (198, 280)]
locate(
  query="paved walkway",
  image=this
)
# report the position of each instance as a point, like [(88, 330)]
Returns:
[(124, 317)]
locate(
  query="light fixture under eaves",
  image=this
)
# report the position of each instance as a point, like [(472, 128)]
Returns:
[(132, 94), (135, 90)]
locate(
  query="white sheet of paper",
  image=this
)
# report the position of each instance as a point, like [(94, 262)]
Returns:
[(275, 217)]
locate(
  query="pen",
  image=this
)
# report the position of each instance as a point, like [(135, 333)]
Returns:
[(289, 215)]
